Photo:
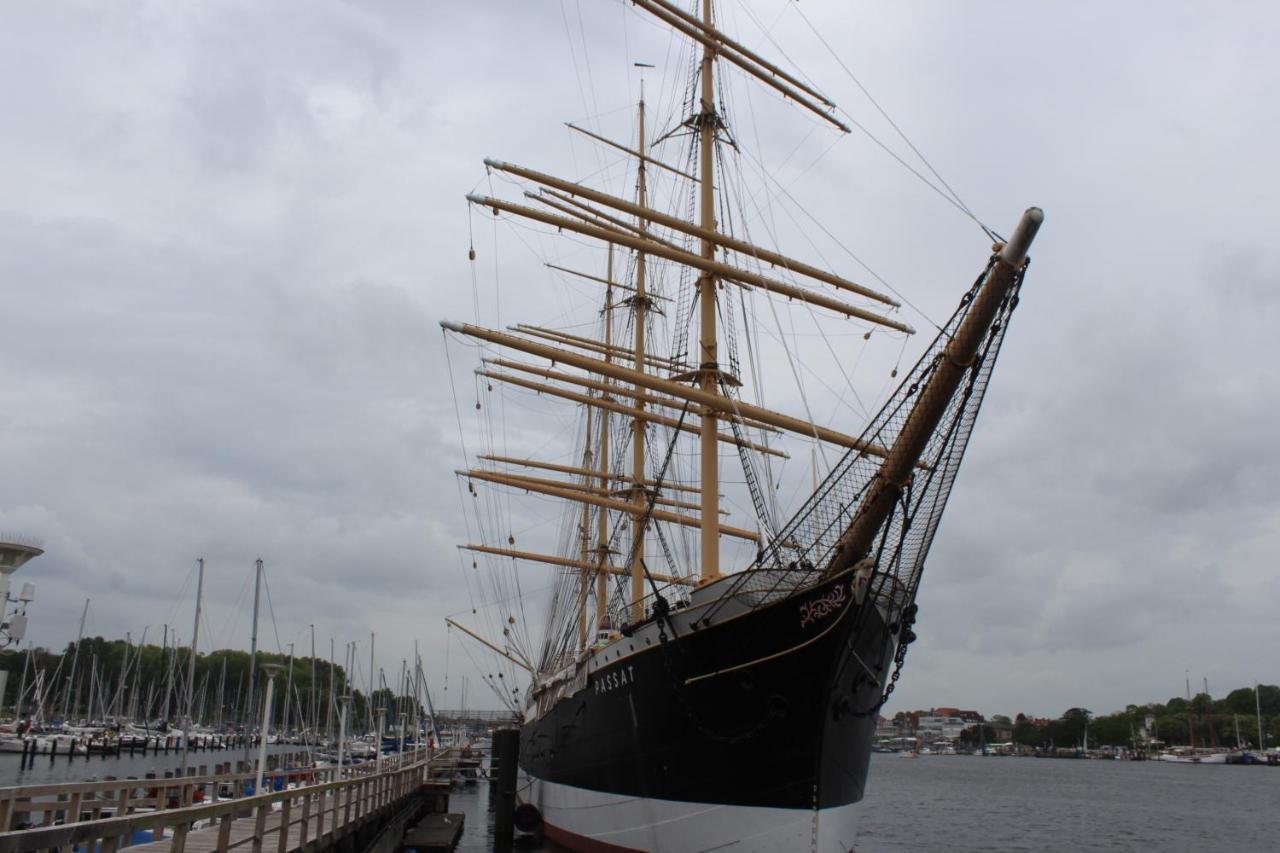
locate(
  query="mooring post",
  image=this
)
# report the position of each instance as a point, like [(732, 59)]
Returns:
[(506, 749)]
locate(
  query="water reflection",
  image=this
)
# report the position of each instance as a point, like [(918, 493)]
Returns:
[(477, 836)]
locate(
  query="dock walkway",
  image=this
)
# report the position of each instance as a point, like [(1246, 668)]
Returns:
[(308, 817)]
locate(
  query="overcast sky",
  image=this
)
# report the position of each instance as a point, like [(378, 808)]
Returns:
[(228, 231)]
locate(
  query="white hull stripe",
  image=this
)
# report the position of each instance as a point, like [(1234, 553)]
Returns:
[(598, 822)]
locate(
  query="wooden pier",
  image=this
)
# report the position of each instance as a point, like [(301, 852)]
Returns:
[(195, 814)]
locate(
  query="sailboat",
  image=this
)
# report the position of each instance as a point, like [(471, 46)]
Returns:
[(677, 703)]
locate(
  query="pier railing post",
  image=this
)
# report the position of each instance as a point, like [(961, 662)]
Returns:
[(284, 825), (224, 832), (303, 837), (320, 815), (260, 826), (179, 842)]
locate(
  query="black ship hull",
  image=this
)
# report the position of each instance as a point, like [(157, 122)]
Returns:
[(758, 724)]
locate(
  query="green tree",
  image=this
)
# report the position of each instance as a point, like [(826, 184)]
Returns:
[(1112, 729), (1028, 733)]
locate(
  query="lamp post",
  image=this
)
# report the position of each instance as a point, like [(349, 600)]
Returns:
[(382, 721), (270, 670), (342, 730)]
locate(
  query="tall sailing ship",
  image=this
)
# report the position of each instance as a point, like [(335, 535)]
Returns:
[(674, 702)]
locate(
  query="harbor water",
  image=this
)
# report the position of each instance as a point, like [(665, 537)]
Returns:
[(990, 805)]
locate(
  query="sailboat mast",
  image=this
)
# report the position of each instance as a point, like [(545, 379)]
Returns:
[(93, 683), (1257, 708), (167, 660), (251, 700), (602, 517), (1191, 732), (328, 718), (22, 685), (222, 694), (314, 722), (191, 667), (417, 691), (708, 362), (640, 313), (117, 698), (288, 691), (71, 679)]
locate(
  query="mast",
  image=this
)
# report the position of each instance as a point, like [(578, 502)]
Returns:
[(708, 365), (1257, 708), (22, 685), (250, 703), (1191, 732), (895, 473), (37, 697), (191, 667), (602, 517), (640, 313), (137, 676), (168, 674), (222, 694), (117, 698), (288, 693), (426, 694), (584, 545), (93, 683), (369, 699), (314, 722), (417, 691), (328, 718), (71, 679)]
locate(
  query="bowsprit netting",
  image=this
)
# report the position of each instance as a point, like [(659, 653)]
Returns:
[(797, 555)]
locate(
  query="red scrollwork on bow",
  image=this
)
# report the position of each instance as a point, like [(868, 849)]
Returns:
[(820, 608)]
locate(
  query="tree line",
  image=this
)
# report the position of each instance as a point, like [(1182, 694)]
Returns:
[(115, 679), (1203, 721)]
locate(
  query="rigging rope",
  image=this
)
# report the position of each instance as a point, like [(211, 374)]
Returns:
[(953, 196)]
